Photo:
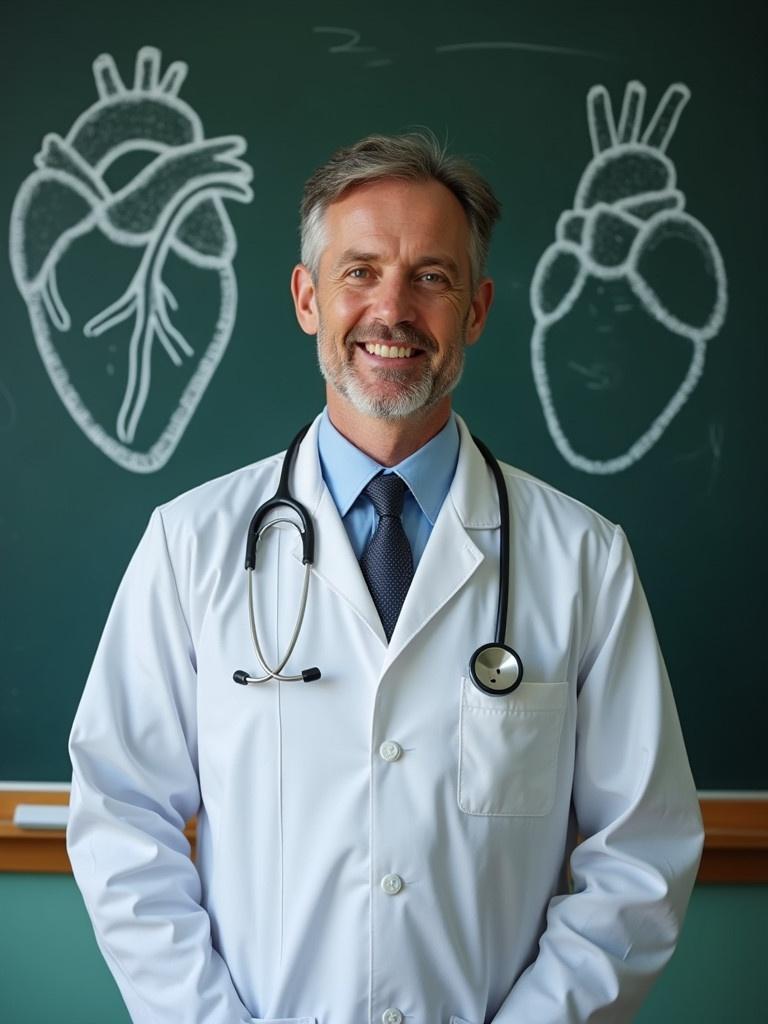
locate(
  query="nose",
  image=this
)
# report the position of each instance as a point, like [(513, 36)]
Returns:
[(393, 302)]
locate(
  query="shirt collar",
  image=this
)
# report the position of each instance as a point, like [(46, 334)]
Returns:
[(428, 471)]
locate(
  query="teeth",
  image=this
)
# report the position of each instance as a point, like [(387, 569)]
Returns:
[(388, 351)]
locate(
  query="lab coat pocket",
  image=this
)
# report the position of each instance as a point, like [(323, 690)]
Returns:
[(508, 749), (458, 1020)]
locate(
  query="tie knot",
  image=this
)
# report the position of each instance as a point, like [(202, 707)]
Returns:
[(387, 492)]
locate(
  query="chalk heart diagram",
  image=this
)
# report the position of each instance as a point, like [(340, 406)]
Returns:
[(628, 294), (122, 248)]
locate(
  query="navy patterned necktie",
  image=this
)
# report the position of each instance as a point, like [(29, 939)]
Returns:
[(387, 562)]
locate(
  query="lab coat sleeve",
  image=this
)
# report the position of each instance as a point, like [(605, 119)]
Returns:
[(637, 811), (134, 786)]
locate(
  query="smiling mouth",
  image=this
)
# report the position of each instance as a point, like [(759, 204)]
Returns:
[(384, 351)]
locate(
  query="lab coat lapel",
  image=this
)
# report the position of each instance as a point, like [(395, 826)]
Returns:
[(451, 556), (335, 564)]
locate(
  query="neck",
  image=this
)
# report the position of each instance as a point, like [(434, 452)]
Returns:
[(387, 441)]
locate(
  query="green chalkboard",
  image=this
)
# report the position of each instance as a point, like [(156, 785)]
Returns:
[(634, 381)]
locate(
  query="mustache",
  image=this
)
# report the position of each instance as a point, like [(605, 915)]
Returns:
[(405, 335)]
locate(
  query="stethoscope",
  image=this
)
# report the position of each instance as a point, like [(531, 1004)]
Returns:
[(494, 668)]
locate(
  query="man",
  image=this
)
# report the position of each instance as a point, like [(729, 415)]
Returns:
[(388, 843)]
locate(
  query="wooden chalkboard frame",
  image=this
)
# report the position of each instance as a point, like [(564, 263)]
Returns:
[(735, 845)]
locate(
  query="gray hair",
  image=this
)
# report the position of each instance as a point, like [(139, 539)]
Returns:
[(414, 156)]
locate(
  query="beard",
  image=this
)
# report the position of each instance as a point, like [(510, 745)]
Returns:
[(396, 393)]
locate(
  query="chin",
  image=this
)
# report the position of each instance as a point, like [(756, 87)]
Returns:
[(392, 400)]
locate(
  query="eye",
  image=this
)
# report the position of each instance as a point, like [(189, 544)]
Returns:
[(433, 277), (358, 273)]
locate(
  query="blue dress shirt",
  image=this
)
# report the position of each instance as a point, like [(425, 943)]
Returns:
[(428, 473)]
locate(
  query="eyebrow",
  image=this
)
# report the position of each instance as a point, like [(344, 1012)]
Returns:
[(357, 256), (354, 256)]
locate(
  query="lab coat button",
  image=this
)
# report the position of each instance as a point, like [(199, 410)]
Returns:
[(392, 1016), (390, 751), (392, 884)]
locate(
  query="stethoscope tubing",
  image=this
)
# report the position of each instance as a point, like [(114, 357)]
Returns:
[(503, 602), (484, 676), (282, 496), (274, 673)]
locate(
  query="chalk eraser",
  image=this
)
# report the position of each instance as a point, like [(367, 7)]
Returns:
[(41, 815)]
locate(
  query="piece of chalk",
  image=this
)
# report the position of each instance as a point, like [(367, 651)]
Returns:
[(41, 815)]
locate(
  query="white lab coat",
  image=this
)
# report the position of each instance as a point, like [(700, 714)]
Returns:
[(301, 817)]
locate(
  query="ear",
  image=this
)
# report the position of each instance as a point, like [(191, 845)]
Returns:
[(478, 311), (304, 299)]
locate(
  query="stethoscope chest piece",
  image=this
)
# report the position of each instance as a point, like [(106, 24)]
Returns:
[(496, 669)]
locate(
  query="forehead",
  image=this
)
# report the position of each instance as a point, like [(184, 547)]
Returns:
[(402, 216)]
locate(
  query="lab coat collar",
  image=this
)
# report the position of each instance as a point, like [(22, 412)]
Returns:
[(473, 491), (451, 556), (471, 504), (335, 562)]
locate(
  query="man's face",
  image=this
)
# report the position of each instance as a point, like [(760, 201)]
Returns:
[(392, 302)]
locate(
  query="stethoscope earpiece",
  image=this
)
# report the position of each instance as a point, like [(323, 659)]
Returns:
[(496, 669)]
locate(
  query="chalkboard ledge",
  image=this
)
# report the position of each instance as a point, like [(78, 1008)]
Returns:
[(735, 824)]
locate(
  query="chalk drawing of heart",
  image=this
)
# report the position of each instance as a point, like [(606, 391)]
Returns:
[(628, 224), (77, 235)]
